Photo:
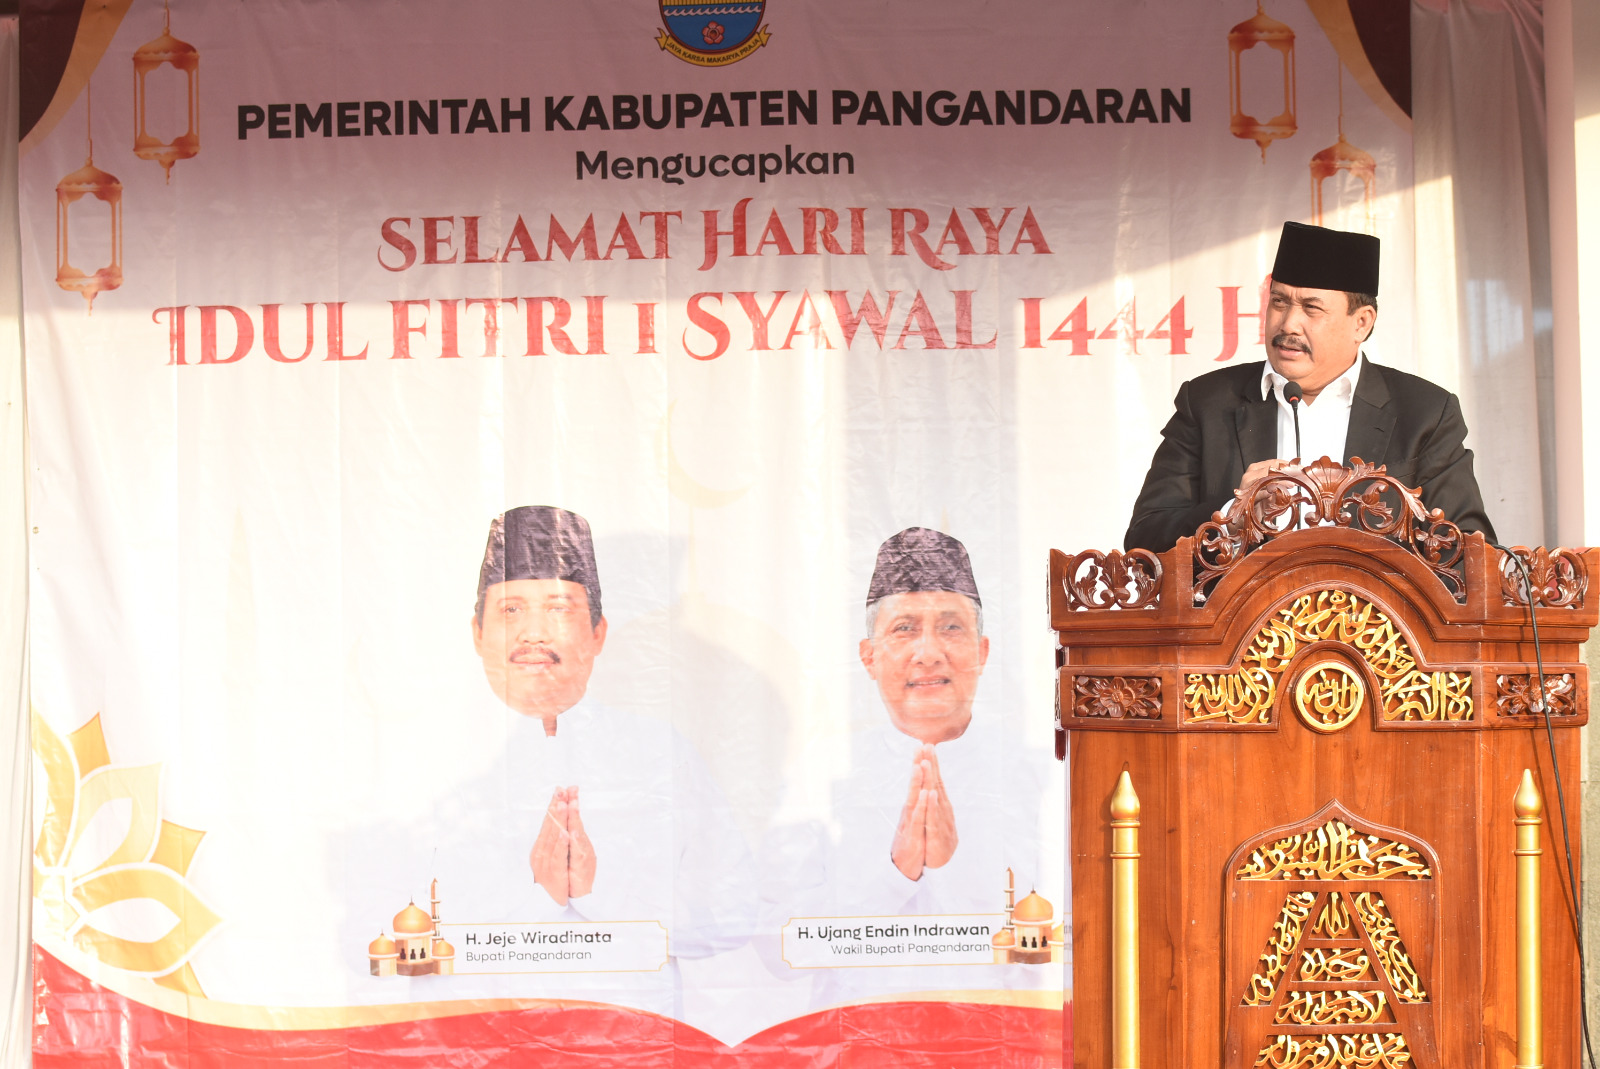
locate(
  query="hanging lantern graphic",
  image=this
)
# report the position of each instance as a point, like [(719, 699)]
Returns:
[(88, 181), (1343, 156), (185, 58), (1260, 30)]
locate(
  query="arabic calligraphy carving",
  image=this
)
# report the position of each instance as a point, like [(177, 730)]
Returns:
[(1334, 1007), (1334, 920), (1335, 965), (1336, 977), (1374, 1050), (1280, 948), (1242, 697), (1328, 696), (1335, 851), (1406, 691), (1397, 965)]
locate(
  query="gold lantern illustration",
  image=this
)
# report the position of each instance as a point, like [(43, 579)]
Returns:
[(184, 57), (88, 181), (1261, 29), (1343, 156)]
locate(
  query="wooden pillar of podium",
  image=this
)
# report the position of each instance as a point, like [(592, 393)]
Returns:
[(1325, 702)]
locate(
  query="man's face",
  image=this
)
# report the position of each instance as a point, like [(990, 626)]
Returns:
[(926, 655), (1312, 338), (537, 645)]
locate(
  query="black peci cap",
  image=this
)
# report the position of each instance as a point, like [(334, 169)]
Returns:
[(540, 542), (920, 559), (1322, 259)]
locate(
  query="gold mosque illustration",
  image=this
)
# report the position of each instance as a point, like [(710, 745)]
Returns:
[(1028, 937), (416, 948)]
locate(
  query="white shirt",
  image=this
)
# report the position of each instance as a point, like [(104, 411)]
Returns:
[(1324, 422)]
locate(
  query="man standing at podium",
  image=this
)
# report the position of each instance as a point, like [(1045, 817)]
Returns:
[(1234, 425)]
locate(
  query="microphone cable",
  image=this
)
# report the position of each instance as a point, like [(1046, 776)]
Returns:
[(1543, 706)]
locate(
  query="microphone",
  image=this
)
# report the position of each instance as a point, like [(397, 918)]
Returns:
[(1293, 393)]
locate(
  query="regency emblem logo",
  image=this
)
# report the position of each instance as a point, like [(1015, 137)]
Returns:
[(712, 35)]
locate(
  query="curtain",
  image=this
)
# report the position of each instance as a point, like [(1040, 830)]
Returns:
[(1483, 251), (17, 832)]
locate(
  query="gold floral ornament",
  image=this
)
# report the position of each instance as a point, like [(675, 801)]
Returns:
[(72, 881)]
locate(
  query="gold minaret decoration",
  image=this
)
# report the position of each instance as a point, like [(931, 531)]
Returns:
[(1260, 29), (1343, 156), (183, 57), (1125, 924), (88, 180), (1528, 804)]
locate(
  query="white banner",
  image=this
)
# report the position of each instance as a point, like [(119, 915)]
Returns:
[(775, 345)]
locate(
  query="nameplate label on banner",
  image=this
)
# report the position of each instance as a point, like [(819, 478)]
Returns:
[(864, 942), (559, 947)]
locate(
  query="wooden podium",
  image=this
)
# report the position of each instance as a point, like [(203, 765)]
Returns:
[(1324, 704)]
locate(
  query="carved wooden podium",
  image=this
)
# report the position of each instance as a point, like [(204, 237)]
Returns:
[(1324, 703)]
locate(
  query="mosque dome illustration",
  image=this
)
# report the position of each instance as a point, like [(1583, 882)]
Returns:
[(1031, 910), (417, 948), (1003, 941), (412, 921), (1030, 935)]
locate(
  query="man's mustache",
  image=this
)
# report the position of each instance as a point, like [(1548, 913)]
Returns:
[(531, 654), (1291, 341)]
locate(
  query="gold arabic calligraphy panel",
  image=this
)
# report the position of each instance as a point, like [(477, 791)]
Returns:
[(1335, 851), (1335, 985), (1406, 692), (1398, 967), (1280, 949), (1386, 1050), (1334, 1008), (1329, 695), (1346, 964), (1335, 965)]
